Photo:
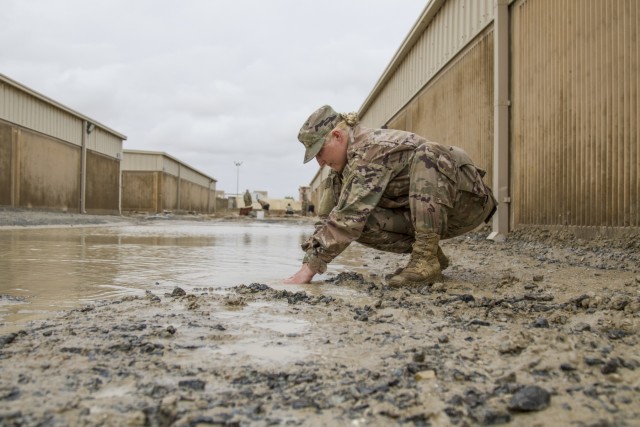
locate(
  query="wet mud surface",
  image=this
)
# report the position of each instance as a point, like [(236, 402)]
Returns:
[(539, 330)]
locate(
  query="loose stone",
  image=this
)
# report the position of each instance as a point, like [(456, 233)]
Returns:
[(530, 398)]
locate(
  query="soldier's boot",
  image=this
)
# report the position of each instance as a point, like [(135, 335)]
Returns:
[(423, 267), (442, 259)]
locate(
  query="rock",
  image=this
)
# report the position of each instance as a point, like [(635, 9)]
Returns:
[(302, 403), (12, 393), (438, 287), (541, 322), (538, 278), (610, 367), (616, 334), (489, 416), (478, 322), (512, 346), (619, 302), (178, 292), (7, 339), (530, 398), (567, 367), (582, 327), (234, 301), (592, 361), (425, 375), (197, 385)]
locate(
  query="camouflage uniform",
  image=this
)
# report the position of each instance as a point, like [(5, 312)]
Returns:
[(247, 199), (396, 184)]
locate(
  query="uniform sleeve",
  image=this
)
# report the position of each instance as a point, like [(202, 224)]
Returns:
[(331, 190), (361, 192)]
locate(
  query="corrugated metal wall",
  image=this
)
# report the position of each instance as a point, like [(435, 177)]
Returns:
[(456, 108), (575, 113), (456, 24), (135, 160), (315, 187), (171, 166), (104, 142), (27, 111), (194, 176), (36, 184), (154, 180), (103, 184), (139, 161)]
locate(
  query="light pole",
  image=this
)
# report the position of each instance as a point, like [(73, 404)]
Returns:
[(238, 178)]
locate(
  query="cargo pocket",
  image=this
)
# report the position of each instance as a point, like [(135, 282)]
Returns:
[(470, 184), (447, 180)]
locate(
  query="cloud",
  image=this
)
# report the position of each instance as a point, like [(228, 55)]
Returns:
[(209, 82)]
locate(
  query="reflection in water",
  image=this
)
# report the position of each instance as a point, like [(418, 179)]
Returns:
[(56, 269)]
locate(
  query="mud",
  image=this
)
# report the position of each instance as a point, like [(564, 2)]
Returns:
[(539, 330)]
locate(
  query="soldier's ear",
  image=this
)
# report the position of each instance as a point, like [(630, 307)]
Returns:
[(340, 136)]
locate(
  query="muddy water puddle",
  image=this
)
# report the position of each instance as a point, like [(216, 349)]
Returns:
[(48, 270)]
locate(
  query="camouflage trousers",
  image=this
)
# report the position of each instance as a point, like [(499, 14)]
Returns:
[(446, 196)]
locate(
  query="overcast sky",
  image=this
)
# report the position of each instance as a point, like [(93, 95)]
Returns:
[(210, 82)]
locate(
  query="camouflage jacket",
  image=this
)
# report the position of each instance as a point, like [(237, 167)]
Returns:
[(376, 174)]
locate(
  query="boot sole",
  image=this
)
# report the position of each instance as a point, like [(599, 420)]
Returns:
[(413, 283)]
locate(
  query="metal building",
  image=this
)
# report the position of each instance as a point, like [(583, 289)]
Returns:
[(54, 158), (157, 182), (541, 93)]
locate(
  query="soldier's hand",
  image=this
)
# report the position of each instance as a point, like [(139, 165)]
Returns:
[(304, 275)]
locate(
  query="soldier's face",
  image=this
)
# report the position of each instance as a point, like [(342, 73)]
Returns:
[(334, 152)]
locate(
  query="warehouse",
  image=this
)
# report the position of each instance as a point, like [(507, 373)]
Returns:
[(53, 158), (156, 182), (542, 94)]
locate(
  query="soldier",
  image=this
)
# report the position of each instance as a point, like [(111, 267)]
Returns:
[(288, 210), (247, 199), (265, 206), (391, 190)]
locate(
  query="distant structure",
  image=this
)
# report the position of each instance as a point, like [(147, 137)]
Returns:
[(157, 182), (304, 194), (54, 158)]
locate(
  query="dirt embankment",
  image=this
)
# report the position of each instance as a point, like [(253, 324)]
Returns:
[(539, 330)]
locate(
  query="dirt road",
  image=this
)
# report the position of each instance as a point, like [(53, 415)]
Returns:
[(540, 330)]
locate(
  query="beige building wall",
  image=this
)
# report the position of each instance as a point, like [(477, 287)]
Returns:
[(169, 195), (569, 149), (53, 158), (103, 184), (456, 107), (445, 28), (575, 113), (156, 182), (6, 164), (316, 185), (46, 172), (141, 191)]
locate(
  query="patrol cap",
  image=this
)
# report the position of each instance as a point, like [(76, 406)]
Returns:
[(316, 128)]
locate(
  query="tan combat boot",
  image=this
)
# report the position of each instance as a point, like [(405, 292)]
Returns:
[(442, 259), (423, 267)]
